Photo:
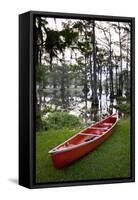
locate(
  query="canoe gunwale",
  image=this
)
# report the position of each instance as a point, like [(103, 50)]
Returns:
[(58, 151), (89, 134)]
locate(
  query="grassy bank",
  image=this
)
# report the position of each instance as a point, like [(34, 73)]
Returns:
[(110, 160)]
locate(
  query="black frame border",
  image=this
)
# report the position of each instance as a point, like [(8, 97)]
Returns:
[(27, 139)]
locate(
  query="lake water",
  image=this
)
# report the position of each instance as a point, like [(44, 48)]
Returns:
[(75, 102)]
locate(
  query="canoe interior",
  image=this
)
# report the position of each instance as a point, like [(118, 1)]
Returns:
[(91, 133)]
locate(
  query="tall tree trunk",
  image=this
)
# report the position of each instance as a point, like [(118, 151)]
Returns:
[(121, 63), (116, 78), (106, 83), (40, 55), (85, 89), (91, 76), (62, 89), (111, 70), (51, 61), (100, 81), (127, 69), (95, 97)]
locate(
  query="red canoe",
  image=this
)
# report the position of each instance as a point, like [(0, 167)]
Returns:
[(83, 142)]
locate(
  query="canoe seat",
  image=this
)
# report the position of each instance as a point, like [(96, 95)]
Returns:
[(99, 128), (66, 145), (89, 139), (107, 124), (90, 134)]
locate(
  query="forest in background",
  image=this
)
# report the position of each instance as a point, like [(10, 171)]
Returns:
[(83, 70)]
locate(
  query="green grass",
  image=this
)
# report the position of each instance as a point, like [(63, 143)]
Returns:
[(110, 160)]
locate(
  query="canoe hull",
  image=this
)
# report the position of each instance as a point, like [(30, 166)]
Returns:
[(63, 159)]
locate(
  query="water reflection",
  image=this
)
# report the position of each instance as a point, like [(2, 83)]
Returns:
[(74, 101)]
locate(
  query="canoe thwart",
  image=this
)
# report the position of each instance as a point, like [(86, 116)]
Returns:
[(98, 128)]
